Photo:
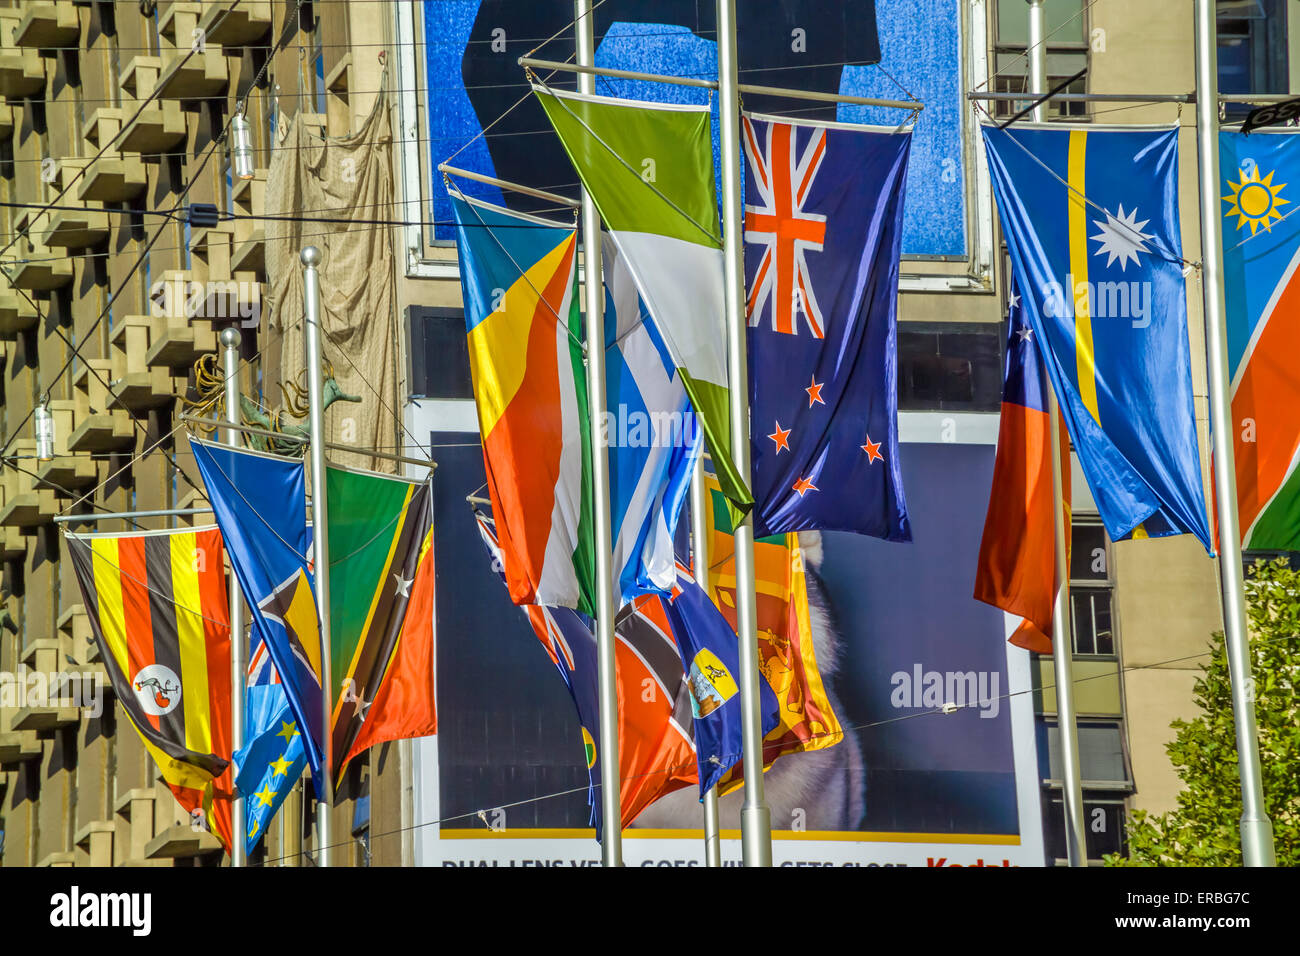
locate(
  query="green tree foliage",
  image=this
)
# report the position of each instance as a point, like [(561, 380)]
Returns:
[(1204, 829)]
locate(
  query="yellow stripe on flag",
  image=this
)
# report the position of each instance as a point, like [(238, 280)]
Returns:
[(1085, 360), (498, 346), (374, 603), (191, 645), (105, 566)]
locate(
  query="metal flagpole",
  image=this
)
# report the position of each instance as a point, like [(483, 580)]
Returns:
[(1062, 639), (700, 545), (310, 257), (611, 849), (755, 818), (1256, 830), (229, 340)]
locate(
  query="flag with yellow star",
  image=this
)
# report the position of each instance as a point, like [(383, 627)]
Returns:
[(273, 757)]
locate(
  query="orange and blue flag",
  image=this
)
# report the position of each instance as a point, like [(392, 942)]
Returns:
[(1260, 177), (1017, 562), (656, 748), (1091, 223), (823, 233), (517, 276)]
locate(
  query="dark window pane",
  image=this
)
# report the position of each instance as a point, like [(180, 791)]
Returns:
[(1088, 558), (1105, 637)]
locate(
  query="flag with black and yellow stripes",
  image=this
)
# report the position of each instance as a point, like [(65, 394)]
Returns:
[(159, 610)]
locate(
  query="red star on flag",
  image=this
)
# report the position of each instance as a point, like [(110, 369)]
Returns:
[(872, 448), (815, 392), (804, 485), (780, 436)]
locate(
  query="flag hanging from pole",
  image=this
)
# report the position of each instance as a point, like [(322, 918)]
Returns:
[(823, 234), (787, 658), (653, 437), (1017, 561), (260, 502), (648, 167), (1261, 253), (1091, 222), (159, 611), (517, 276), (656, 748), (381, 610), (710, 655), (273, 756)]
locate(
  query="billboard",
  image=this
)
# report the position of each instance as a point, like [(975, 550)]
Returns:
[(481, 117), (898, 637)]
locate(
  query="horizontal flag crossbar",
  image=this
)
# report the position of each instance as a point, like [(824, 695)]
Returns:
[(513, 187), (1094, 97), (526, 61), (332, 446), (163, 513)]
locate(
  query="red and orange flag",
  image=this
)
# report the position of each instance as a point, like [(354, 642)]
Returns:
[(159, 610)]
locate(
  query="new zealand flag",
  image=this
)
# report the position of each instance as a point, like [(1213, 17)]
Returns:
[(823, 224)]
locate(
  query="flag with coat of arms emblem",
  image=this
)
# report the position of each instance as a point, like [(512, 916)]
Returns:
[(823, 232)]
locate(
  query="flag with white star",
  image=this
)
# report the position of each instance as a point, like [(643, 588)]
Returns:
[(823, 224), (1091, 222), (381, 610)]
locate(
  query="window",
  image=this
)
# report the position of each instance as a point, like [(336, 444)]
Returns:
[(1107, 781), (1253, 41), (1065, 27), (1091, 617)]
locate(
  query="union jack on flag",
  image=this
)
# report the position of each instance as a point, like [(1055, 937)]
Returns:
[(783, 175)]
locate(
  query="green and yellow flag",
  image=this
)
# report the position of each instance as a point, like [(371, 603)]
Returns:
[(649, 169), (381, 610)]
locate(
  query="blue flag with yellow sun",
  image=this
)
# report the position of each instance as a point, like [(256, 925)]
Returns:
[(273, 757), (1091, 222)]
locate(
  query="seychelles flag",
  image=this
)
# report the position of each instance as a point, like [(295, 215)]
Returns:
[(1261, 250), (1091, 222), (517, 275)]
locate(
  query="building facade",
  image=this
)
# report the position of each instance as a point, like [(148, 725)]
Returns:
[(89, 327)]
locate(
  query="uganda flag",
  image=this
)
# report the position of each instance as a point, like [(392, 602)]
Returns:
[(159, 611), (381, 610)]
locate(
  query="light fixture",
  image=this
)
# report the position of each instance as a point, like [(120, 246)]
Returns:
[(44, 432), (241, 150)]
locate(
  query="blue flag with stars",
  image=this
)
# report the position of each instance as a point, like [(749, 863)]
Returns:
[(1091, 222), (823, 231), (273, 757)]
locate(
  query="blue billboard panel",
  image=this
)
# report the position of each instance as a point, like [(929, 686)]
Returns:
[(938, 763), (481, 117)]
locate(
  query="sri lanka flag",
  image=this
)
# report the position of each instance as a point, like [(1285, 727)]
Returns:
[(1091, 222), (823, 232), (1261, 250), (1017, 562), (517, 274), (656, 749)]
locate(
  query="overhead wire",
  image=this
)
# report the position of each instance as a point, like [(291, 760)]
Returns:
[(143, 254)]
